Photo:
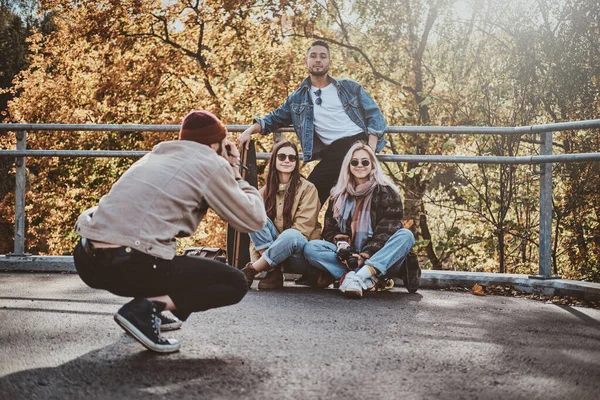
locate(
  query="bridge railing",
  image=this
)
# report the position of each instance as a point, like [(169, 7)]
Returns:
[(545, 160)]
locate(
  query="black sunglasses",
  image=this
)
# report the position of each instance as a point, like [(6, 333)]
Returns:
[(291, 157), (319, 100), (365, 163)]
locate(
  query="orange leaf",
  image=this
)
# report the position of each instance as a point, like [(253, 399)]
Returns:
[(478, 290)]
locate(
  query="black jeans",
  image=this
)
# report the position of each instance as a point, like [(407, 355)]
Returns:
[(194, 284), (326, 173)]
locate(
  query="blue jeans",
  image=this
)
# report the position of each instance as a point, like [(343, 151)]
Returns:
[(322, 255), (284, 249)]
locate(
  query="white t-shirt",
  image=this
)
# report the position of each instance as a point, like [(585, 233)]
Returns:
[(331, 121)]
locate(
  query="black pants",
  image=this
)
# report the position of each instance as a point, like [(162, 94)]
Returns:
[(326, 173), (194, 284)]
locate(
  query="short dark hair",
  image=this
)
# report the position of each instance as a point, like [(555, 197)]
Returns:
[(319, 43)]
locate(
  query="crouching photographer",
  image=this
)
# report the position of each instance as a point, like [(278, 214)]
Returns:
[(128, 240)]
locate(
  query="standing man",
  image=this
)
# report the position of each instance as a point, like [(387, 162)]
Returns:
[(128, 240), (328, 115)]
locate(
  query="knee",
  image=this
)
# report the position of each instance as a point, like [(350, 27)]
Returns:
[(292, 233), (294, 236), (312, 248), (405, 236)]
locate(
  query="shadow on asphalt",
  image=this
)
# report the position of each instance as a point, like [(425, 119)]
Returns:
[(63, 300), (122, 371), (396, 292), (51, 310), (584, 317), (302, 343)]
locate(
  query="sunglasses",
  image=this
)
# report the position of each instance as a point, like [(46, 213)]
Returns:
[(365, 163), (291, 157), (319, 100)]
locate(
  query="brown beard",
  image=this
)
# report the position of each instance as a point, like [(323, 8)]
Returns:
[(320, 73)]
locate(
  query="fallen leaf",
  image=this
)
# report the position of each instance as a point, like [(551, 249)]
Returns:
[(478, 290)]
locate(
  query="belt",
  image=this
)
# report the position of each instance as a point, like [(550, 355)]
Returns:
[(88, 247), (342, 145)]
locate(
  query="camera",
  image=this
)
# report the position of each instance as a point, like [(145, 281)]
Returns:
[(227, 149), (346, 253)]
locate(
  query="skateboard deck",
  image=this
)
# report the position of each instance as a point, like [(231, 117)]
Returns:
[(238, 254)]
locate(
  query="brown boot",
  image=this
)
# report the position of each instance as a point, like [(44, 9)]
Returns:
[(250, 273), (324, 280), (273, 280)]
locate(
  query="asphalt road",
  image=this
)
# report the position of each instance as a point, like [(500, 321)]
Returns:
[(58, 341)]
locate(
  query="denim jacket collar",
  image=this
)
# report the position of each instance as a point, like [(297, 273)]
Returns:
[(307, 84)]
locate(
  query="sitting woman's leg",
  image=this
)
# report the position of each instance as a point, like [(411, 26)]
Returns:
[(322, 255), (265, 237), (262, 240), (383, 263), (393, 252), (290, 242), (286, 249)]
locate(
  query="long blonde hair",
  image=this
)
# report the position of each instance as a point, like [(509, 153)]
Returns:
[(346, 176)]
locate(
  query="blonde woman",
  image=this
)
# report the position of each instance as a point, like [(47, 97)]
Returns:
[(364, 214)]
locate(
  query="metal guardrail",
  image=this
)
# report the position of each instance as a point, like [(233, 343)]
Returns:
[(546, 158)]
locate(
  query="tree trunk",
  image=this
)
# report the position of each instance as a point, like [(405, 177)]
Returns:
[(433, 258)]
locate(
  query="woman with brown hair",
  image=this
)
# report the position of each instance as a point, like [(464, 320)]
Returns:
[(292, 205)]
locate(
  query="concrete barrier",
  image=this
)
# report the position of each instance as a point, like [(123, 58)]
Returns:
[(430, 279)]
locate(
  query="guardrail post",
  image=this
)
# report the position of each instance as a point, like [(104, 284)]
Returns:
[(545, 262), (21, 181)]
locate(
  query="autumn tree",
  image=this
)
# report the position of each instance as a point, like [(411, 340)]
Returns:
[(17, 19), (134, 62), (426, 62)]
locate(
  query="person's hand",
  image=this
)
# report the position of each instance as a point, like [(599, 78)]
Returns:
[(341, 236), (230, 153), (361, 260), (246, 136)]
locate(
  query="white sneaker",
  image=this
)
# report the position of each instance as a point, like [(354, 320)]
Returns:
[(353, 286), (343, 282), (371, 284)]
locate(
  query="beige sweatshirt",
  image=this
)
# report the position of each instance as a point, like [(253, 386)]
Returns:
[(305, 209), (165, 195), (305, 212)]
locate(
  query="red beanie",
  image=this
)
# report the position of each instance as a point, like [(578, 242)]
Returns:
[(202, 127)]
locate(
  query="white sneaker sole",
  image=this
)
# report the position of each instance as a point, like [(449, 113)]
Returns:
[(353, 293), (171, 327), (140, 337)]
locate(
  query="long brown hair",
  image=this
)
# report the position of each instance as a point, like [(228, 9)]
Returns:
[(272, 183)]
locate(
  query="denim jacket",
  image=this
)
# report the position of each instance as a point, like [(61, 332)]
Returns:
[(297, 110)]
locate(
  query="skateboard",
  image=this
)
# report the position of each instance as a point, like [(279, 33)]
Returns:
[(238, 254)]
